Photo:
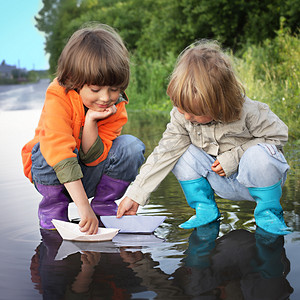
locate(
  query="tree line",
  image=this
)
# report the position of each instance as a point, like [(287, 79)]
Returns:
[(261, 36), (153, 28)]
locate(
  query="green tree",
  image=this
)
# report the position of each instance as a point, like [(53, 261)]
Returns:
[(235, 22), (53, 20), (153, 28)]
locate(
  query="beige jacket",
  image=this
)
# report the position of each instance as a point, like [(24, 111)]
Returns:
[(226, 141)]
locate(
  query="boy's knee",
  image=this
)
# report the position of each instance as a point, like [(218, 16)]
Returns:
[(186, 167), (132, 148), (261, 165), (255, 159)]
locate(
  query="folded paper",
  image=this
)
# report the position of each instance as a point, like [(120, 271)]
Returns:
[(133, 224), (71, 231)]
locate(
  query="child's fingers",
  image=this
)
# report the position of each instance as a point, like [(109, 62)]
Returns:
[(114, 109), (124, 206), (216, 163), (82, 224), (93, 228), (89, 227), (130, 212), (218, 169), (96, 229), (120, 211)]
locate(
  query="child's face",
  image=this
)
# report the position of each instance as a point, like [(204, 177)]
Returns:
[(195, 119), (99, 98)]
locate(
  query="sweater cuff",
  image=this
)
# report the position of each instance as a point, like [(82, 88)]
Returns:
[(94, 152), (137, 194), (68, 170), (228, 162)]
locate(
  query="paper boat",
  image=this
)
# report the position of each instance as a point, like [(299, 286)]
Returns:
[(133, 224), (71, 231)]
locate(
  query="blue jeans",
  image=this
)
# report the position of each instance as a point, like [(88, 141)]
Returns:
[(260, 166), (123, 161)]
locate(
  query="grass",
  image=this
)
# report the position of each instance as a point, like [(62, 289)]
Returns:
[(271, 74)]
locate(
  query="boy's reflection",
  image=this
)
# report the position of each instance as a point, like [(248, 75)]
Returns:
[(239, 265), (82, 275)]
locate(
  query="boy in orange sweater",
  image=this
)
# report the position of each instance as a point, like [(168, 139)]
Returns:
[(77, 151)]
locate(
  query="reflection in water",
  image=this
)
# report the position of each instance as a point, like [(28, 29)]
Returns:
[(82, 275), (238, 265)]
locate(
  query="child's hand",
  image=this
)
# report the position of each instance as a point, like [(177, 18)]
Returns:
[(127, 207), (216, 167), (89, 222), (99, 115)]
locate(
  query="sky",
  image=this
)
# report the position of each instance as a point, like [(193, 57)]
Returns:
[(21, 44)]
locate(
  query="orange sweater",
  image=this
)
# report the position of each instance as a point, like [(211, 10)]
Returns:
[(60, 126)]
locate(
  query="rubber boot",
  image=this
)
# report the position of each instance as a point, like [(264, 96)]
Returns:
[(200, 196), (268, 212), (108, 190), (54, 205)]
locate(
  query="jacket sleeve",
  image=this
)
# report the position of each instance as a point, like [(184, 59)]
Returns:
[(57, 142), (265, 127), (161, 161)]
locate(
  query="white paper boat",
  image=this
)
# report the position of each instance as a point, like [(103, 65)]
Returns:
[(71, 231), (133, 224)]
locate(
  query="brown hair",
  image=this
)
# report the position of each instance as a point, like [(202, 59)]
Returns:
[(203, 83), (94, 55)]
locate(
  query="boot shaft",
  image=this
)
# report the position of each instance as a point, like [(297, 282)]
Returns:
[(267, 197), (107, 192), (268, 212), (197, 191), (200, 196), (54, 205)]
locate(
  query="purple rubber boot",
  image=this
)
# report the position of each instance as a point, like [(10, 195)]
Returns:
[(54, 205), (108, 190)]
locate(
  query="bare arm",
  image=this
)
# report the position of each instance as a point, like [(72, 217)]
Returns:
[(89, 222), (90, 129)]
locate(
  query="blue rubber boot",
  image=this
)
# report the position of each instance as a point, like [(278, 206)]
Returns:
[(268, 212), (200, 196)]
